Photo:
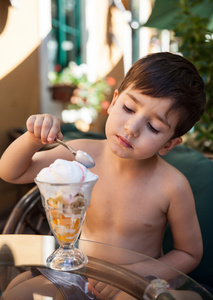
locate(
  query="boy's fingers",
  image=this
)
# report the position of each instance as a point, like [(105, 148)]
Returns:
[(46, 128), (38, 126), (30, 123), (106, 290), (60, 136), (102, 290), (95, 292), (55, 130)]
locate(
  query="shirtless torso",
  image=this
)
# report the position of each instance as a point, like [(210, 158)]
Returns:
[(130, 206)]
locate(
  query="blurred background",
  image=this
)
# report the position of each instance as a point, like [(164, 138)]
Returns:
[(66, 57)]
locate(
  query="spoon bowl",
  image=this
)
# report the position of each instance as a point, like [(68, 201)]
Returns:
[(80, 156)]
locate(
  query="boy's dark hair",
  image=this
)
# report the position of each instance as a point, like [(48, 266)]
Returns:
[(170, 76)]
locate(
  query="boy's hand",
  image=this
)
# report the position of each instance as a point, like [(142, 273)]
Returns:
[(102, 290), (44, 128)]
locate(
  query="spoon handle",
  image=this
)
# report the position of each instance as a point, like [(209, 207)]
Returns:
[(65, 145)]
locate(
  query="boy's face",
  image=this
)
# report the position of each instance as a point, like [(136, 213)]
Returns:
[(140, 126)]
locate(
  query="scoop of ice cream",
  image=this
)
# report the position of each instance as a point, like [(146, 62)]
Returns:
[(64, 171), (60, 181)]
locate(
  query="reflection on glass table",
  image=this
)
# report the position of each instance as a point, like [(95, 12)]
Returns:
[(21, 255)]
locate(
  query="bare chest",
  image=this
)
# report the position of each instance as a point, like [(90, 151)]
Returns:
[(126, 208)]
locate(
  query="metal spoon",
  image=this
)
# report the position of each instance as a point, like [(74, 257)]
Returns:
[(80, 156)]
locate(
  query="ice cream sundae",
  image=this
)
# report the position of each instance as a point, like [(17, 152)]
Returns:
[(65, 188)]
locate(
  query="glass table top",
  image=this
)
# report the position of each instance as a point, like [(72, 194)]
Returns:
[(24, 254)]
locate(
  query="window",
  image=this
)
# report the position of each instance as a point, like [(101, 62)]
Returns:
[(64, 45)]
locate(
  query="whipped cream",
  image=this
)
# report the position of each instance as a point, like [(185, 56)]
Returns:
[(61, 180), (64, 171)]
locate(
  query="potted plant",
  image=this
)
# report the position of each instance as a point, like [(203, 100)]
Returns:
[(86, 100), (74, 86), (195, 37)]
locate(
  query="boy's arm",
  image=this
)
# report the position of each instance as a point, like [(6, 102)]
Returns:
[(187, 239), (21, 162)]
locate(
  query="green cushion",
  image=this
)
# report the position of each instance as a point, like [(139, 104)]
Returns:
[(70, 132), (199, 171)]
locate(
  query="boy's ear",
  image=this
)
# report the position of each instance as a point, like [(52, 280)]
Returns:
[(114, 99), (171, 144)]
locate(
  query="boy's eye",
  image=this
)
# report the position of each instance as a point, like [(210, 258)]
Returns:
[(152, 128), (128, 109)]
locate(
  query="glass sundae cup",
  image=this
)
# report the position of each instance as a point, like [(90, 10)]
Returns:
[(65, 206)]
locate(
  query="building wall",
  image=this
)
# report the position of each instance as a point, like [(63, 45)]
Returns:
[(19, 80), (19, 85)]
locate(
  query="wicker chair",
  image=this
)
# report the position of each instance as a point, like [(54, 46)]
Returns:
[(28, 216)]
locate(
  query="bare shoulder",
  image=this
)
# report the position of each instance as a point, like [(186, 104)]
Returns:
[(174, 189), (174, 180)]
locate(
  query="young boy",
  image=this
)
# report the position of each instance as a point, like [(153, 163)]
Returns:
[(159, 100)]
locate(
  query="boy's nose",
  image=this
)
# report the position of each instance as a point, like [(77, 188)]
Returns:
[(132, 129)]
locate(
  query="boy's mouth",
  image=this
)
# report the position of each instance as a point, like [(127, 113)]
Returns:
[(125, 143)]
